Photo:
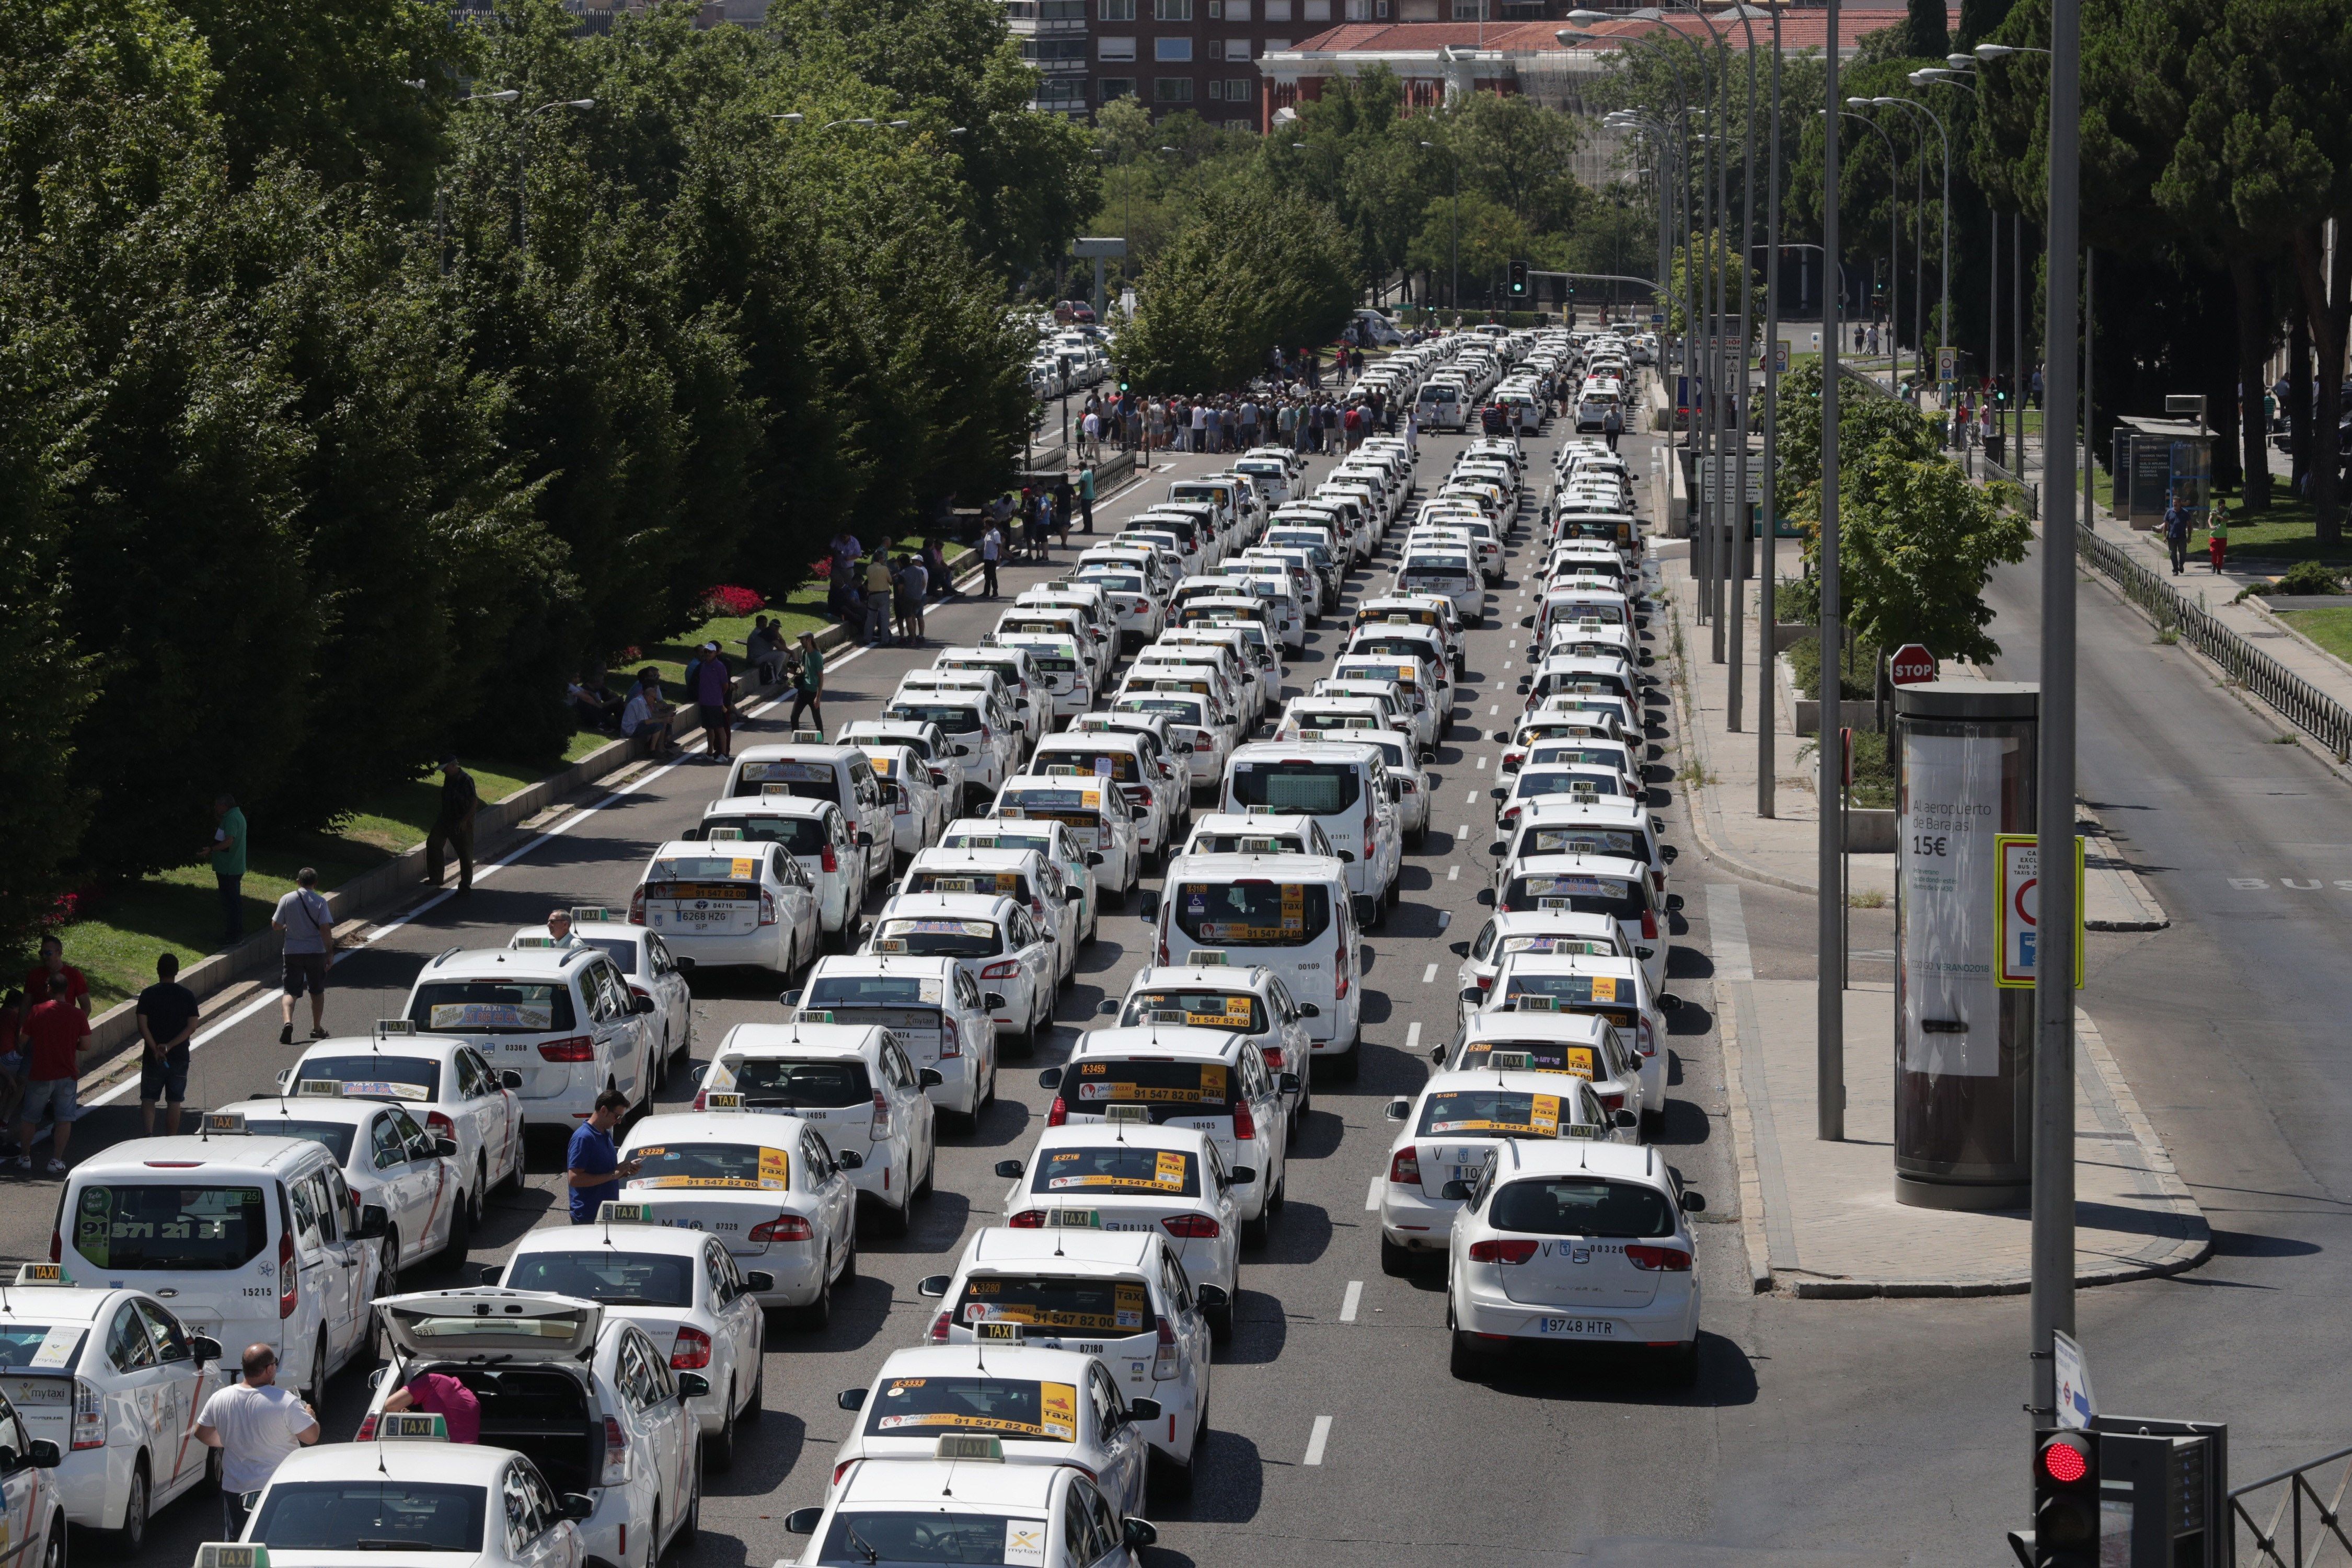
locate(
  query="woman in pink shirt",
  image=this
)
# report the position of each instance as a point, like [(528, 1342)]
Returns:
[(438, 1394)]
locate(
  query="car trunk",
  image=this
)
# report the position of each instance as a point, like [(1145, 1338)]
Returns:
[(542, 1412)]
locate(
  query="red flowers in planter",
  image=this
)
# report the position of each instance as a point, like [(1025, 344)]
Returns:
[(727, 599)]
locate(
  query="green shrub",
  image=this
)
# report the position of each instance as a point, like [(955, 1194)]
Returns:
[(2310, 577)]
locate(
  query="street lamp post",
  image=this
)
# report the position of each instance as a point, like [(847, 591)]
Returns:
[(1767, 611), (1829, 995)]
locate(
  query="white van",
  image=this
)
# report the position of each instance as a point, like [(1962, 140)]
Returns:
[(841, 774), (1290, 913), (249, 1240), (1442, 404), (563, 1017), (1344, 786)]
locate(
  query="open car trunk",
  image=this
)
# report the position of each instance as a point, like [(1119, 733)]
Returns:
[(540, 1411)]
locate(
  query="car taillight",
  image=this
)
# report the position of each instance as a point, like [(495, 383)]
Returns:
[(289, 1287), (1163, 952), (826, 861), (1338, 973), (1501, 1251), (880, 1127), (367, 1430), (575, 1048), (1195, 1226), (1163, 1361), (1058, 1113), (617, 1454), (1028, 1219), (1646, 1040), (1669, 1259), (1485, 982), (1512, 815), (1511, 760), (783, 1227), (1142, 606), (1404, 1167), (1245, 1124), (939, 1337), (89, 1415), (637, 908), (1005, 971), (1368, 839), (1273, 1055), (691, 1350), (1613, 1102), (767, 909), (950, 1043), (439, 1124)]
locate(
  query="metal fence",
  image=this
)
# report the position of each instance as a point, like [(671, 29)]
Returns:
[(1993, 470), (2305, 1529), (2297, 701)]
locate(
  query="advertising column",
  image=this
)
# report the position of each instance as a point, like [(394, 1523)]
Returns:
[(1963, 1044)]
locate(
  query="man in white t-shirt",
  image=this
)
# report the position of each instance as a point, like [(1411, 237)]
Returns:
[(256, 1425)]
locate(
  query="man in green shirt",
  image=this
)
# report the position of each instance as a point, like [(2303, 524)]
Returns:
[(808, 682), (226, 853)]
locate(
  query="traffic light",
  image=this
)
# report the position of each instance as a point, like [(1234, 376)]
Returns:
[(1519, 279), (2066, 1499)]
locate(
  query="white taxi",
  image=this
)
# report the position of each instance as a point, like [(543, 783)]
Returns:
[(1567, 1242), (682, 1287), (941, 1018), (113, 1381), (969, 1505), (993, 939), (1258, 832), (1160, 752), (1040, 1407), (815, 833), (1025, 875), (1051, 840), (387, 1159), (729, 899), (1122, 759), (1609, 988), (768, 1186), (644, 959), (563, 1018), (856, 1083), (448, 1085), (1125, 1174), (1097, 816), (1448, 1132), (1533, 931), (917, 802), (1576, 1044), (1250, 1001), (924, 741), (1119, 1295)]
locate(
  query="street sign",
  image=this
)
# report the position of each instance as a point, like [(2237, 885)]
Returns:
[(1114, 245), (1723, 472), (1948, 364), (1910, 665), (2076, 1405), (2017, 915), (1657, 318)]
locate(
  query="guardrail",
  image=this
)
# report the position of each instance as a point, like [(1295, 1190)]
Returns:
[(2301, 1501), (2296, 699)]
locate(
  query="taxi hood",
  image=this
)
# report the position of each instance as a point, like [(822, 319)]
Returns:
[(515, 1325)]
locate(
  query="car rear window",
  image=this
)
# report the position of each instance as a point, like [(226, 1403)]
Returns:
[(1315, 788), (809, 780), (873, 991), (889, 1537), (379, 1074), (1167, 1087), (1565, 1205), (615, 1279), (41, 1347), (1437, 567), (741, 1165), (1240, 1011), (1538, 782), (1494, 1112), (1007, 1406), (1252, 913), (1543, 1055), (378, 1514), (774, 1081), (1117, 1168), (938, 938), (135, 1225), (1600, 996), (1052, 1305), (1092, 764), (1577, 838), (953, 719), (490, 1008), (335, 1137), (798, 835), (1620, 897)]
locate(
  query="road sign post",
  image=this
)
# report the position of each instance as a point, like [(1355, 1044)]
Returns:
[(2016, 910)]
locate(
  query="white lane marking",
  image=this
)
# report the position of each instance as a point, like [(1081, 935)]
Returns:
[(1372, 1195), (1413, 1038), (1506, 664), (615, 797), (1472, 798), (1453, 873), (1496, 708), (1463, 831), (1429, 976), (1354, 1299), (1315, 1441), (1481, 764)]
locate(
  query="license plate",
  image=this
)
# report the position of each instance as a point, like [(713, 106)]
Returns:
[(703, 917), (1469, 1172), (1125, 1225), (1578, 1328)]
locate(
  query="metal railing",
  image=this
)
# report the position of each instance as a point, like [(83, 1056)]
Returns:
[(2296, 699), (2306, 1521)]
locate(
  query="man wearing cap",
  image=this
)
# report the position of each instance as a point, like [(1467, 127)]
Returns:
[(714, 688), (455, 825), (808, 682)]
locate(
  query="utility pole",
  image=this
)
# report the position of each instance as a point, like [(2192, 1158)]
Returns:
[(1829, 1013), (2051, 1304), (1767, 612)]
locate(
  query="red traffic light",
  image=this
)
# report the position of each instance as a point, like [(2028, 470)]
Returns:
[(2066, 1457)]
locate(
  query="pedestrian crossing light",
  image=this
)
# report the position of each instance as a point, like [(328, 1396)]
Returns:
[(2066, 1499), (1519, 279)]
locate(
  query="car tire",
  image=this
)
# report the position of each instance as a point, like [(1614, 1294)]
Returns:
[(1653, 1125), (137, 1508), (930, 1183), (1417, 839), (719, 1453), (690, 1528), (1396, 1259), (849, 1264), (890, 1222), (1395, 892), (652, 1544), (314, 1393), (1220, 1322), (817, 1316), (1171, 1480), (387, 1272), (1346, 1064), (1254, 1231), (53, 1550), (756, 1403), (1467, 1363)]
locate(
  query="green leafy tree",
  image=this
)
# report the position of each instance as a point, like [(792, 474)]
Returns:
[(1258, 271)]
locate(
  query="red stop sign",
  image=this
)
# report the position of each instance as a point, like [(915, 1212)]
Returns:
[(1910, 665)]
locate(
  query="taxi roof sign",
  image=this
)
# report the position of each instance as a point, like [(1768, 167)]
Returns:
[(821, 1015), (775, 789), (1511, 1061), (232, 1554), (30, 1274), (313, 1088), (1261, 845), (996, 1329), (1131, 1115), (1210, 958), (726, 835), (395, 1026), (721, 1099), (522, 941), (412, 1426), (1074, 1219), (808, 738), (217, 1122), (889, 944), (597, 915), (611, 1212), (975, 1446)]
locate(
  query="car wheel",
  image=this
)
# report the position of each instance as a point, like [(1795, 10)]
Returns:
[(689, 1525), (816, 1315), (1417, 838), (1220, 1322), (314, 1393), (1396, 1260), (1281, 1194), (889, 1221), (133, 1534), (1467, 1363), (718, 1452), (1254, 1231), (1653, 1125), (52, 1553), (849, 1264), (757, 1400), (1396, 891), (1679, 1368), (652, 1544), (462, 1219), (1172, 1478), (387, 1272)]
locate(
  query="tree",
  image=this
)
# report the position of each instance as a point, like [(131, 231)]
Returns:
[(1925, 35), (1916, 543), (1260, 271), (1491, 236)]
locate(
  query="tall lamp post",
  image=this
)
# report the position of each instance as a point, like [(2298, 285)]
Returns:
[(1944, 310)]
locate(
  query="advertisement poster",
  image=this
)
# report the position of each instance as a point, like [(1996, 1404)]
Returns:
[(1948, 862)]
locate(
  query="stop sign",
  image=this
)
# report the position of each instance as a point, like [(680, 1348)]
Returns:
[(1910, 665)]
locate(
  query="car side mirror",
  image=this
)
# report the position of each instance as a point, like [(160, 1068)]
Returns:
[(1309, 1010), (1526, 620), (1502, 734), (1670, 854), (1458, 1191), (692, 835), (788, 999), (1138, 1533), (1148, 907), (803, 1521), (374, 1223), (693, 1386), (1050, 1078), (1288, 1082), (1437, 1055), (1694, 1203), (1368, 908), (1647, 657), (1211, 1297), (509, 1079), (1070, 895), (849, 1160), (932, 1285), (578, 1507), (641, 1005), (1669, 1003), (42, 1454), (684, 965), (1094, 856), (851, 1399), (993, 999), (1458, 949), (1627, 1119), (492, 1272), (1145, 1410), (204, 1347), (1397, 1110), (759, 1282), (931, 1078), (1242, 1175), (1010, 1169), (1107, 1007), (1475, 996), (445, 1145), (1674, 901)]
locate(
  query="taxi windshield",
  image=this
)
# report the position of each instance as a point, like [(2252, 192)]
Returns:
[(798, 835), (1313, 788), (1009, 1406), (127, 1226), (1496, 1112), (1248, 912), (615, 1279), (1240, 1011), (378, 1514), (888, 1538), (774, 1081), (1164, 1088), (490, 1008), (1051, 1305), (409, 1077), (708, 1165), (939, 938), (1117, 1168), (1585, 895), (1565, 1205)]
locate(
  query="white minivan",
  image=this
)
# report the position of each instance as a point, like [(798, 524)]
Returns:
[(1290, 913), (249, 1240), (1344, 785)]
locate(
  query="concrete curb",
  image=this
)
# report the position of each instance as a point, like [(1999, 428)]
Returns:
[(2184, 1252), (1742, 1117), (2101, 847)]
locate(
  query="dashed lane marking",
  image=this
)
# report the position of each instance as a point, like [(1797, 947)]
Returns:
[(1354, 1298), (1316, 1439), (1372, 1195), (1429, 976)]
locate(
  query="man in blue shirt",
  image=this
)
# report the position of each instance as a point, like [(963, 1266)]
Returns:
[(593, 1168)]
